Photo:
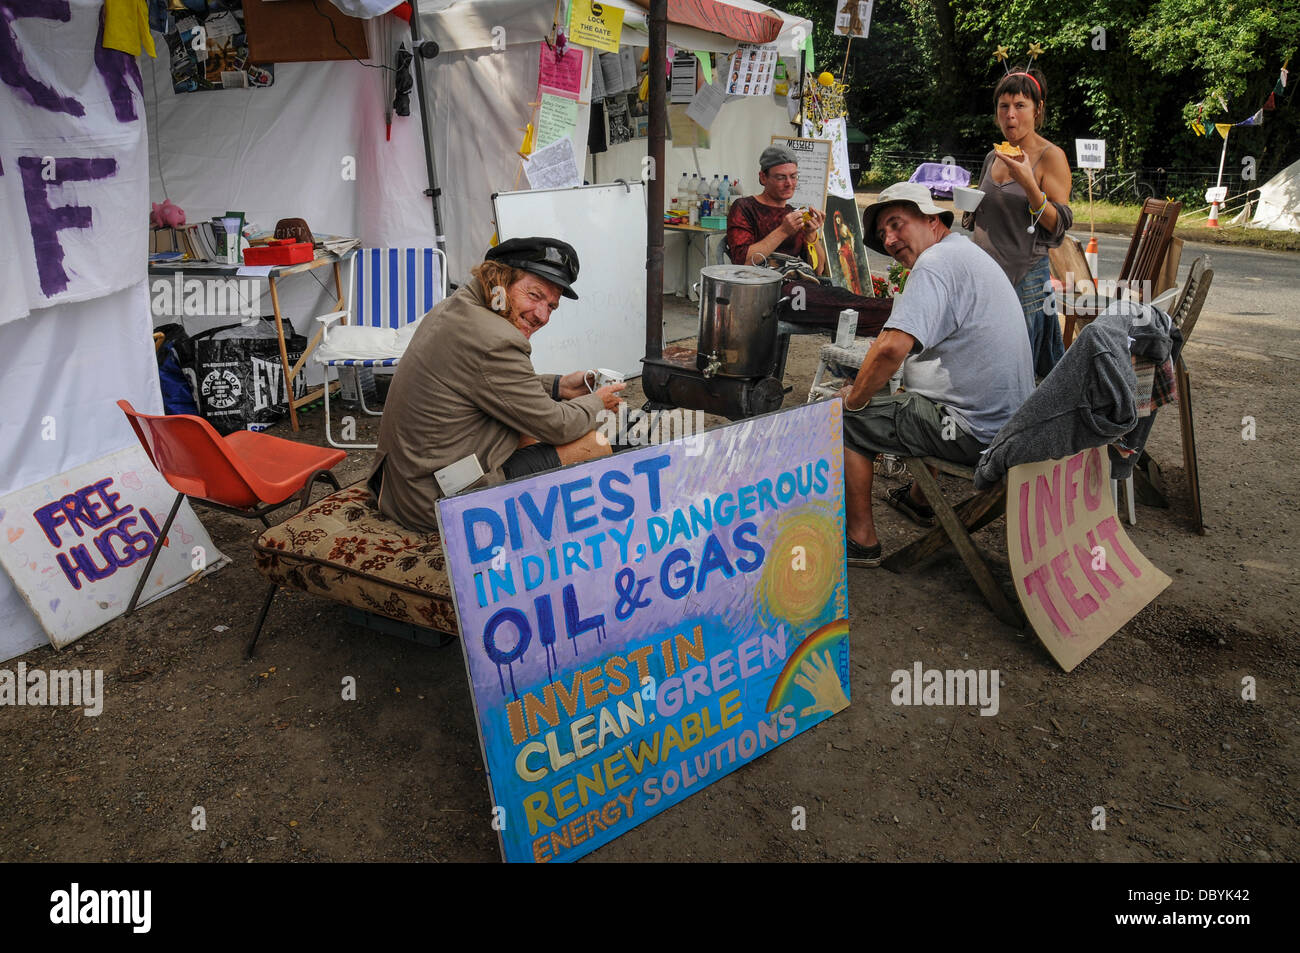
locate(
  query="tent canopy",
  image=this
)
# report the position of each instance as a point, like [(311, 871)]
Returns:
[(459, 25)]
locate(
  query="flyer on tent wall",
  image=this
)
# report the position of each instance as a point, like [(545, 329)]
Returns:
[(638, 626)]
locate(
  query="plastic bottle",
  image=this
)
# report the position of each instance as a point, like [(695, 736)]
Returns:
[(683, 186), (736, 189), (724, 195)]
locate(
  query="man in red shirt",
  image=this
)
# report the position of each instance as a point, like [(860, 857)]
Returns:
[(759, 225)]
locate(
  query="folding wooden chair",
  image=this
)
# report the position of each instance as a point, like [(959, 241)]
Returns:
[(1142, 262), (956, 523)]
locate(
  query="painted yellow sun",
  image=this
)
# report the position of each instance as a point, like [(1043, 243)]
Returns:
[(803, 567)]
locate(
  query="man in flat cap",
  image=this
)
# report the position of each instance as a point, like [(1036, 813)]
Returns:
[(466, 386), (759, 225), (958, 332)]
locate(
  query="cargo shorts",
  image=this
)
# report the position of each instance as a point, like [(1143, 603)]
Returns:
[(907, 424)]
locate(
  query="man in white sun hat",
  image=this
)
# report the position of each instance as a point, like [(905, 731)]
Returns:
[(959, 333)]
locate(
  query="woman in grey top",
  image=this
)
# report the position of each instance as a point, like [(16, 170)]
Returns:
[(1025, 210)]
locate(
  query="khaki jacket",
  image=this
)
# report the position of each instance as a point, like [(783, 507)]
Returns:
[(465, 385)]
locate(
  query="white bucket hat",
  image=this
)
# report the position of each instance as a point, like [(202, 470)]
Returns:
[(913, 193)]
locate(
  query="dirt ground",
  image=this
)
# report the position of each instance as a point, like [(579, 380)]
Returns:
[(1152, 727)]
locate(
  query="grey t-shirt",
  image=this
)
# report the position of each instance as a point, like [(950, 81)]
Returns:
[(972, 350)]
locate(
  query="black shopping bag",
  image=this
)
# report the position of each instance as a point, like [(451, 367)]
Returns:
[(238, 377)]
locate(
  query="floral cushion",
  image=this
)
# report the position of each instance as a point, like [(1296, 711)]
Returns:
[(342, 549)]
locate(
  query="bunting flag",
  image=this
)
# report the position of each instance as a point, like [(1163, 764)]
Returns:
[(1254, 120), (1223, 128), (1198, 129), (1270, 104)]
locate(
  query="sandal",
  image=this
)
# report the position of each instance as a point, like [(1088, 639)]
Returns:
[(900, 498), (862, 557)]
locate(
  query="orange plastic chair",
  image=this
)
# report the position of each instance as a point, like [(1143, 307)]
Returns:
[(246, 474)]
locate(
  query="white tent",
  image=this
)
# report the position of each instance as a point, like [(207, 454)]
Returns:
[(75, 337), (1279, 201)]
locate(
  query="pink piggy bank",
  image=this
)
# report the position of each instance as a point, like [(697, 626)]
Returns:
[(166, 215)]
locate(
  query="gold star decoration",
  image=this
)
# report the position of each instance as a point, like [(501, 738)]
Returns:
[(1035, 49), (1002, 54)]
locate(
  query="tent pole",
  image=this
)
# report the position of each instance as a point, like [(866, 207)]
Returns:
[(654, 265), (423, 52)]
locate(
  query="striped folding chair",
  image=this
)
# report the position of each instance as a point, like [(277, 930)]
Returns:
[(390, 290)]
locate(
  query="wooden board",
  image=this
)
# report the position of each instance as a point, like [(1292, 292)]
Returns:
[(295, 31)]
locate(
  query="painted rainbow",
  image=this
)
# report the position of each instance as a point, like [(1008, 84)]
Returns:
[(820, 639)]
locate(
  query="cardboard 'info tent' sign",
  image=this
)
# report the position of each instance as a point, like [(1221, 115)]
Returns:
[(75, 544), (1078, 575), (639, 626)]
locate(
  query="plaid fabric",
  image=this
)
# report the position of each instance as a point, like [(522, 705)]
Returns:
[(1155, 384)]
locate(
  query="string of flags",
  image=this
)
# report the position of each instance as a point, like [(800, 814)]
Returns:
[(1256, 119)]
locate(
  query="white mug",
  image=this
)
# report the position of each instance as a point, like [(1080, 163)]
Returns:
[(601, 376)]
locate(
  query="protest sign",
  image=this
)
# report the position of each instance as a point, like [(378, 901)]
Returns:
[(595, 25), (76, 543), (1078, 575), (638, 626), (813, 156)]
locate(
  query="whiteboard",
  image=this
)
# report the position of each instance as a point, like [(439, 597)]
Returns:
[(606, 225)]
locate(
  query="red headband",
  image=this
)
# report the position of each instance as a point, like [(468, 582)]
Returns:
[(1036, 83)]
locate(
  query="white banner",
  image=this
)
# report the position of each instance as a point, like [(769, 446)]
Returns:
[(73, 170)]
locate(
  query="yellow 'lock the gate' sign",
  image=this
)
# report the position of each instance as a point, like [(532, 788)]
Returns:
[(595, 25)]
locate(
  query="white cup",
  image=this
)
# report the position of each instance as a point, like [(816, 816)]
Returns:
[(966, 199), (601, 376)]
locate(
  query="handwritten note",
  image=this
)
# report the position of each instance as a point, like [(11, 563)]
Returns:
[(557, 118), (560, 74)]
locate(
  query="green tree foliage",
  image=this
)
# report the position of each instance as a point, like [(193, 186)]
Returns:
[(1134, 72)]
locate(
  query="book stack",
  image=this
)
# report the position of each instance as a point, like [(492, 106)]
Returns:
[(199, 242)]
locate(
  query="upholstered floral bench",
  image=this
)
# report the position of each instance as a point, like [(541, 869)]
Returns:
[(342, 549)]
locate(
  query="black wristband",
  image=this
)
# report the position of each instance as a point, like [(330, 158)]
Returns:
[(555, 389)]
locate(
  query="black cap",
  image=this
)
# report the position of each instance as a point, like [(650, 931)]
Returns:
[(548, 258)]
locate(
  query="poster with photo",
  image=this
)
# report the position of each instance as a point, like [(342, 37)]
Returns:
[(846, 254), (751, 70), (619, 119)]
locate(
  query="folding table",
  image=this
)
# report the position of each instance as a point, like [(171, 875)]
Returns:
[(208, 270)]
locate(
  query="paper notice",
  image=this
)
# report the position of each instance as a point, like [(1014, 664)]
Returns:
[(611, 68), (561, 74), (685, 68), (222, 24), (685, 131), (553, 166), (706, 64), (557, 117), (704, 107), (597, 80)]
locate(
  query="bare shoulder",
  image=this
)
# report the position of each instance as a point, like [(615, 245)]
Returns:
[(1055, 157)]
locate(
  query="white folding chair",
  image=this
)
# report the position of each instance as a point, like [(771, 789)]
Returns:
[(389, 291)]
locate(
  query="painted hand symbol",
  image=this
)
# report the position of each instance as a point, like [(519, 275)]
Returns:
[(817, 677)]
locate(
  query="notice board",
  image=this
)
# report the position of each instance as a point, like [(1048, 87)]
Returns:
[(296, 31), (638, 626), (814, 159)]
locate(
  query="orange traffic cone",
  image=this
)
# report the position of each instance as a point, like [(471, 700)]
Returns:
[(1214, 216), (1090, 254)]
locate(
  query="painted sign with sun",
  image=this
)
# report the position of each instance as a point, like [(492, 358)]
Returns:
[(639, 626)]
